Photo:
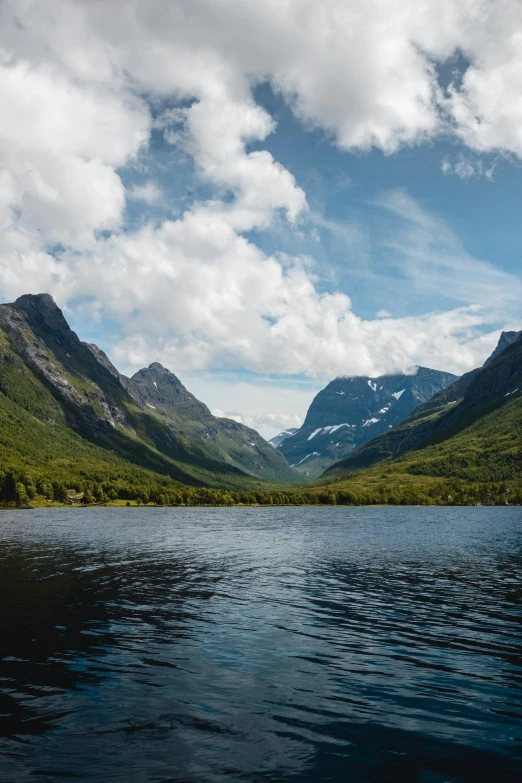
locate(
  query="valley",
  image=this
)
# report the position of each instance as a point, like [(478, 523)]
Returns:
[(72, 426)]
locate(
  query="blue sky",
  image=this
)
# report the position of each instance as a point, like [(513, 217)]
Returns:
[(263, 197), (347, 188)]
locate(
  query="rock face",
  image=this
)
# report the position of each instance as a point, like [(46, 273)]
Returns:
[(506, 339), (152, 410), (93, 392), (472, 396), (351, 411), (160, 390), (163, 394), (278, 439)]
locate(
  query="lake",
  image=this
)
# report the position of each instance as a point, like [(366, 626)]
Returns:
[(255, 644)]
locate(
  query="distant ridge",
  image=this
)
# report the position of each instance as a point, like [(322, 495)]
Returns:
[(474, 419), (278, 439), (351, 411)]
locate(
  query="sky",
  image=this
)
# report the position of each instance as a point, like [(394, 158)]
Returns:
[(264, 196)]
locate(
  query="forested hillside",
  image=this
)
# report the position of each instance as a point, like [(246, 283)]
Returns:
[(472, 431), (68, 416)]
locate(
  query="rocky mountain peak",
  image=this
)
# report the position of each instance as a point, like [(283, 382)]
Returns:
[(36, 301), (45, 317), (157, 375), (506, 339), (348, 412), (158, 386), (43, 308)]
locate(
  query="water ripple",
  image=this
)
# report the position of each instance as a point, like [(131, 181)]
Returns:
[(261, 645)]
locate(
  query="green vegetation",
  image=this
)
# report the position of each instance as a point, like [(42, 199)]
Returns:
[(480, 463), (19, 490), (47, 462), (70, 433), (41, 435)]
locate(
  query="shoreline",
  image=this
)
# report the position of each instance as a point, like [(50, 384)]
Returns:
[(257, 505)]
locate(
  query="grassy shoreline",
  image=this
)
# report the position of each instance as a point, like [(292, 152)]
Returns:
[(130, 504)]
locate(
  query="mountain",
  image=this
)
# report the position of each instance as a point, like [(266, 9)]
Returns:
[(278, 439), (351, 411), (471, 430), (506, 339), (71, 404), (164, 395)]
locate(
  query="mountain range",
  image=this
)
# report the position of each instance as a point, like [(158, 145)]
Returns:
[(62, 401), (68, 415), (351, 411), (471, 430)]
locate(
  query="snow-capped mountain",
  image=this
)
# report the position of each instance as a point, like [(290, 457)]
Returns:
[(351, 411)]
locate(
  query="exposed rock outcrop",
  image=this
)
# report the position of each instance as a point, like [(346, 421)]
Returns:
[(351, 411)]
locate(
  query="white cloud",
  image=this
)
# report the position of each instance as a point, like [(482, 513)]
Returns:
[(266, 422), (465, 168), (194, 292), (485, 108), (61, 142), (148, 192), (197, 296)]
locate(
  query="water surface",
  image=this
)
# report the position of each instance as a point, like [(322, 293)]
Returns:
[(304, 644)]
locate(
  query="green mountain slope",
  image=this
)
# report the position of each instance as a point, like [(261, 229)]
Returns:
[(349, 412), (64, 405), (471, 431), (164, 397)]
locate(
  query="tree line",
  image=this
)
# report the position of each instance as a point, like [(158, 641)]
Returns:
[(18, 489)]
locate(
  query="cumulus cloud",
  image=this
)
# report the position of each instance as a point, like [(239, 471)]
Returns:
[(263, 422), (82, 85), (196, 295), (61, 142)]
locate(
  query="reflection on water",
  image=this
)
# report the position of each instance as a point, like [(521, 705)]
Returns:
[(261, 645)]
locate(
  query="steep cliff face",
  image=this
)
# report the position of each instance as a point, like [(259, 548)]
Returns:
[(36, 332), (506, 339), (150, 417), (351, 411), (477, 394)]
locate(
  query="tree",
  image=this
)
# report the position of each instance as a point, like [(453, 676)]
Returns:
[(20, 494), (59, 492), (8, 491), (88, 497), (28, 482)]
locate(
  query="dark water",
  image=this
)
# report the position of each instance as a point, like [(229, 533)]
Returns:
[(261, 645)]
